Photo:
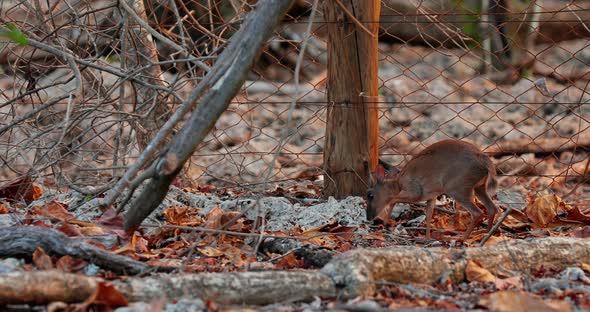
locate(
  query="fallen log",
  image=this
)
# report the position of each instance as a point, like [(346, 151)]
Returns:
[(228, 288), (43, 287), (22, 241), (348, 275), (231, 288), (549, 145), (357, 271)]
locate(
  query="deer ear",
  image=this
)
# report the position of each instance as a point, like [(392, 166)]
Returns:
[(389, 170), (380, 173)]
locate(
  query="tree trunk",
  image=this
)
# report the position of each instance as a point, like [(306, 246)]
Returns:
[(352, 118)]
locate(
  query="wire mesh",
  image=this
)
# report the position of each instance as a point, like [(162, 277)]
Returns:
[(509, 76)]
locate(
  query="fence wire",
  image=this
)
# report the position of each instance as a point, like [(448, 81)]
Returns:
[(510, 76)]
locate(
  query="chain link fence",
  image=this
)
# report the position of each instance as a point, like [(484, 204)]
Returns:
[(509, 76)]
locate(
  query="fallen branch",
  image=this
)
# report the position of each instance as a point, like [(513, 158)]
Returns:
[(353, 273), (22, 241), (242, 288), (237, 288), (44, 287), (357, 271), (525, 146)]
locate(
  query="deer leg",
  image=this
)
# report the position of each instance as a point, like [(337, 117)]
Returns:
[(429, 209), (466, 201), (485, 199)]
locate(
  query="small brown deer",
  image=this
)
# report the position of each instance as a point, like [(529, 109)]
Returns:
[(452, 167)]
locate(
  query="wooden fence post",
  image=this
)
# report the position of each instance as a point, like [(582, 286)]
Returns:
[(352, 118)]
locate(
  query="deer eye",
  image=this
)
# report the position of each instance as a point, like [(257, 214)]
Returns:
[(370, 194)]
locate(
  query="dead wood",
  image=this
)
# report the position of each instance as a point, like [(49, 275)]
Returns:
[(44, 287), (242, 287), (314, 256), (230, 288), (22, 241), (549, 145), (357, 271), (225, 78), (353, 273)]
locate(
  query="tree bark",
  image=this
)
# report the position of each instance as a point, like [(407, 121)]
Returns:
[(351, 146), (351, 274), (22, 241), (359, 269), (44, 287), (240, 288), (226, 288)]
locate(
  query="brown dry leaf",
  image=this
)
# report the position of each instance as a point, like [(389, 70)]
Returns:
[(289, 261), (344, 247), (574, 214), (140, 244), (69, 264), (214, 218), (211, 251), (544, 210), (236, 255), (585, 267), (112, 222), (81, 223), (70, 230), (41, 260), (319, 238), (459, 221), (21, 189), (376, 236), (206, 188), (350, 230), (107, 295), (476, 236), (515, 223), (52, 209), (512, 300), (476, 273), (92, 231), (218, 217), (3, 209), (183, 216), (325, 226)]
